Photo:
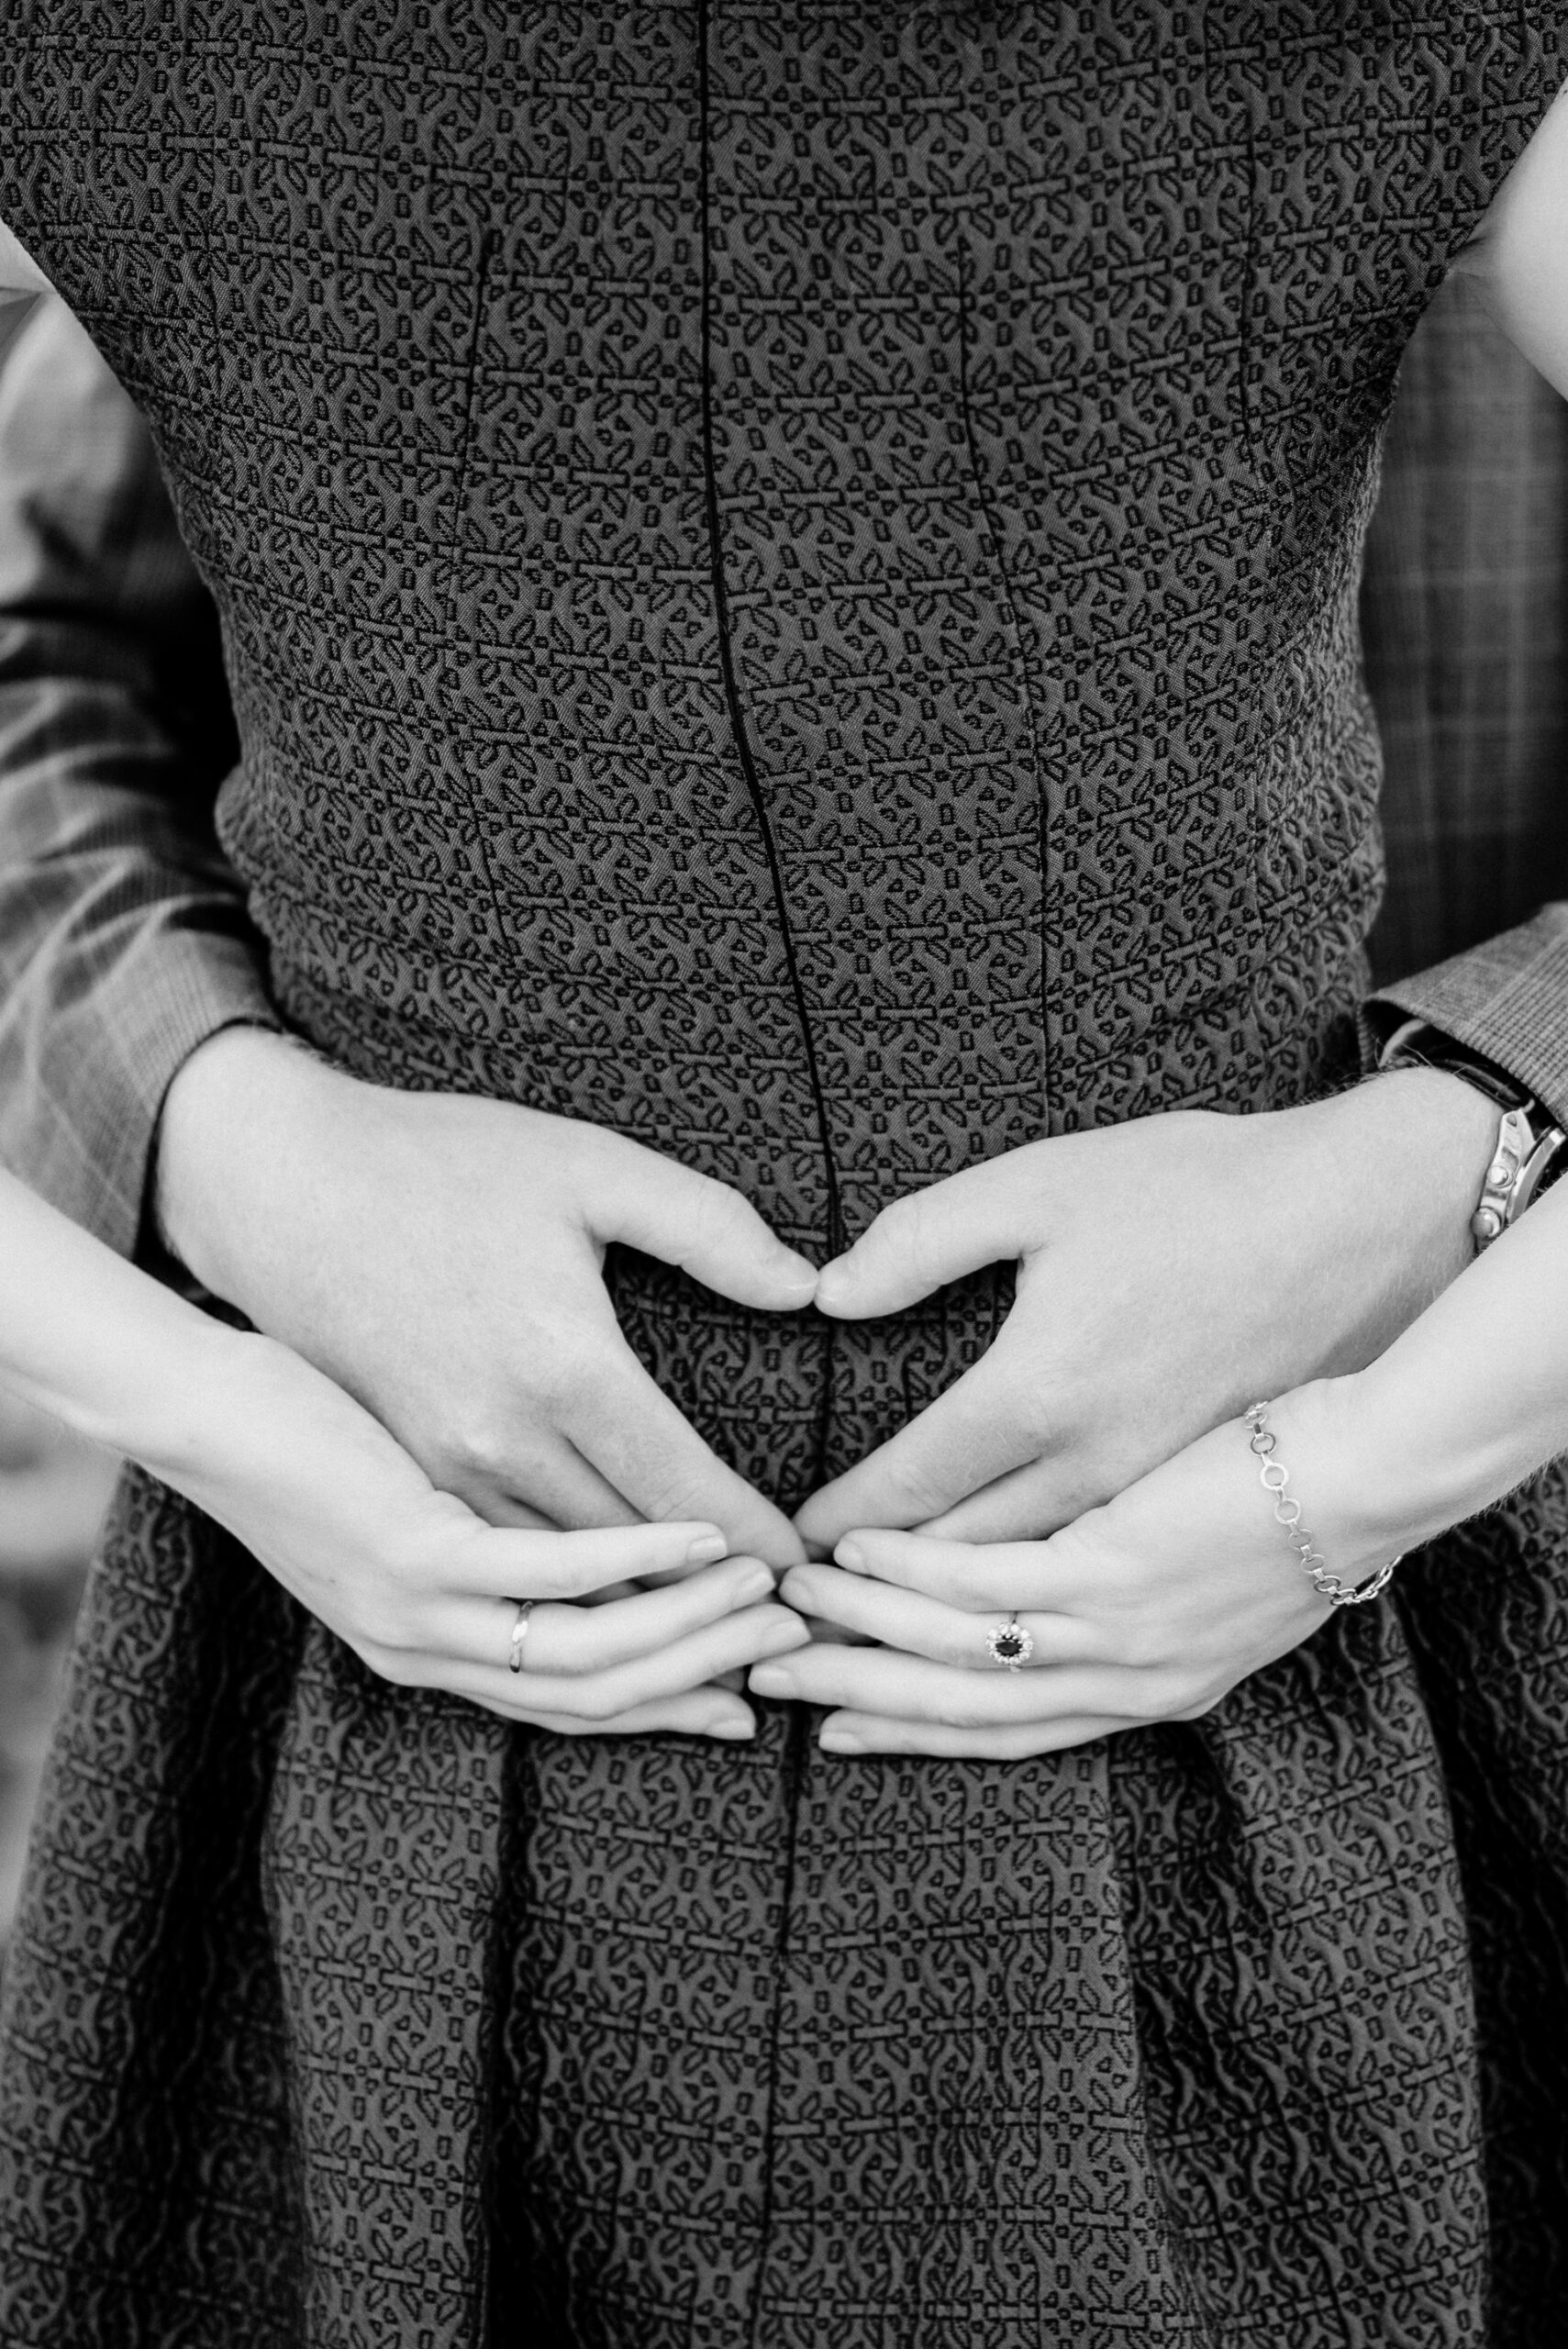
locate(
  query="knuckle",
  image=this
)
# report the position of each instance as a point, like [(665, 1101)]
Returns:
[(1169, 1695), (567, 1373), (557, 1576), (392, 1664), (551, 1391), (395, 1633), (907, 1230), (1050, 1410), (718, 1212), (1142, 1645), (396, 1618), (470, 1445), (1210, 1693), (681, 1489), (915, 1494), (591, 1703), (601, 1704)]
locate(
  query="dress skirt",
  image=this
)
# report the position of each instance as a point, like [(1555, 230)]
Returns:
[(342, 2014), (788, 579)]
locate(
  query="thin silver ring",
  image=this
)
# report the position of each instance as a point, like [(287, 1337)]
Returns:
[(1011, 1646), (520, 1633)]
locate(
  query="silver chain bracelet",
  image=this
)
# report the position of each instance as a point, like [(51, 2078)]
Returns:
[(1274, 1475)]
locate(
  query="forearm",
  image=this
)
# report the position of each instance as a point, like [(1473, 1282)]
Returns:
[(106, 1350), (1467, 1403), (120, 956), (123, 938)]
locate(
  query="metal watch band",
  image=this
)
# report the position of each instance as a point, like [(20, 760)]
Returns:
[(1530, 1148), (1521, 1158)]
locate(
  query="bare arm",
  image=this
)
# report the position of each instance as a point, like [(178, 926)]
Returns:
[(1150, 1608), (1519, 259), (423, 1590)]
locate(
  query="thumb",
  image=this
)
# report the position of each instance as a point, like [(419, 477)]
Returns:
[(670, 1211), (984, 1216)]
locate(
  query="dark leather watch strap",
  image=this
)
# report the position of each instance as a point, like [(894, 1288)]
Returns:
[(1417, 1044)]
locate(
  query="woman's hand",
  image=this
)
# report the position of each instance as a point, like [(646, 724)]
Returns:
[(428, 1594), (1147, 1610)]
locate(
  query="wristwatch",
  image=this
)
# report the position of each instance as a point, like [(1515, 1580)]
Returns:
[(1532, 1148)]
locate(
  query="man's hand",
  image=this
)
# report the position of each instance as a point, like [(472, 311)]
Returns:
[(440, 1257), (1171, 1271)]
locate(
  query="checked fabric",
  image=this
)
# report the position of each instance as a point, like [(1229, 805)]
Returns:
[(788, 585)]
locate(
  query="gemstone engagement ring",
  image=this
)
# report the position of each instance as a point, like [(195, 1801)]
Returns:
[(1009, 1643)]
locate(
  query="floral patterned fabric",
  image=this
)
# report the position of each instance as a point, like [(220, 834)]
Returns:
[(788, 580)]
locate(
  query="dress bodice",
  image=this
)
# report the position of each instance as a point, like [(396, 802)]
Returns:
[(787, 573), (787, 577)]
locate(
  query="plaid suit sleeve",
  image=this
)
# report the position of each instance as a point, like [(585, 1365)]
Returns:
[(1508, 1000), (124, 939), (1464, 619)]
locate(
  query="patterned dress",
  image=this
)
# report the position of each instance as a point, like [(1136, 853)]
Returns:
[(788, 580)]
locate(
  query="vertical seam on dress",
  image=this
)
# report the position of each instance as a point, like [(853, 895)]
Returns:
[(798, 1730), (994, 540), (796, 1738), (835, 1234)]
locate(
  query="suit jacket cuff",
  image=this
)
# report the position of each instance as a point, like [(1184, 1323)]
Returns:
[(80, 1128), (1508, 1000)]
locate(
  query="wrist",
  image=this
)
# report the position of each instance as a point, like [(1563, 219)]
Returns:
[(1357, 1512), (212, 1399), (1453, 1126), (154, 1382), (1448, 1131), (222, 1118), (1530, 1146), (1373, 1479)]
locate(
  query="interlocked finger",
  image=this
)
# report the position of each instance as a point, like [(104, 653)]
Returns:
[(502, 1565), (541, 1480), (980, 1580), (600, 1696), (1033, 1501), (850, 1733), (910, 1688), (928, 1627), (573, 1640), (696, 1712), (633, 1434), (964, 1440)]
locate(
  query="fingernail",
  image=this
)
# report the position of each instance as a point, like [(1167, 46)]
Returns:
[(706, 1549), (839, 1740), (734, 1725), (771, 1680), (850, 1555), (757, 1582)]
